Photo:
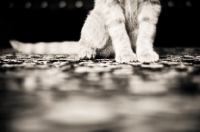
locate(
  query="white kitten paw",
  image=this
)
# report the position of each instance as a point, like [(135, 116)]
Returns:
[(125, 57), (148, 56), (86, 53)]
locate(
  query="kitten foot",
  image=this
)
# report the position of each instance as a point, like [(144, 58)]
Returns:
[(86, 53), (125, 57), (148, 56)]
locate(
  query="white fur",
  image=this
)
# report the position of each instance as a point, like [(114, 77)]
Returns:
[(46, 48)]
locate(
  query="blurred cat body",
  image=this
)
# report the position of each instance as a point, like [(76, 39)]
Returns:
[(121, 28)]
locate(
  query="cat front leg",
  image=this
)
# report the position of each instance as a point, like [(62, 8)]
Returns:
[(94, 36), (115, 24), (147, 20)]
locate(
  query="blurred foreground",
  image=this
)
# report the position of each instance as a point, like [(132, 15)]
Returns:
[(55, 93)]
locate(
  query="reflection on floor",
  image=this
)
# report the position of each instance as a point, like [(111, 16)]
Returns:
[(55, 93)]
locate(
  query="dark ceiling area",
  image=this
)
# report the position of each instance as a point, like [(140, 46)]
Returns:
[(53, 20)]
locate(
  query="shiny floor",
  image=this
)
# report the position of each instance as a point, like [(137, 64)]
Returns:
[(55, 93)]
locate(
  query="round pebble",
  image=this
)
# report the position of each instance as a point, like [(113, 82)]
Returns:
[(188, 57), (123, 72), (188, 60), (171, 63), (152, 66), (182, 67), (135, 63)]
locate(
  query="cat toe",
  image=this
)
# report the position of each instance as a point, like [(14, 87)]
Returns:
[(125, 57), (149, 56), (87, 53)]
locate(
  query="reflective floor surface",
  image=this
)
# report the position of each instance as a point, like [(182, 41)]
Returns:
[(55, 93)]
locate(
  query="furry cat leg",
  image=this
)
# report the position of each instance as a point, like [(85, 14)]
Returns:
[(147, 20), (93, 36), (115, 23)]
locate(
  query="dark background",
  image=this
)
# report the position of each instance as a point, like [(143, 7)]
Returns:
[(54, 20)]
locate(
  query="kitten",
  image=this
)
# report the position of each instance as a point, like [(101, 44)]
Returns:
[(113, 28)]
